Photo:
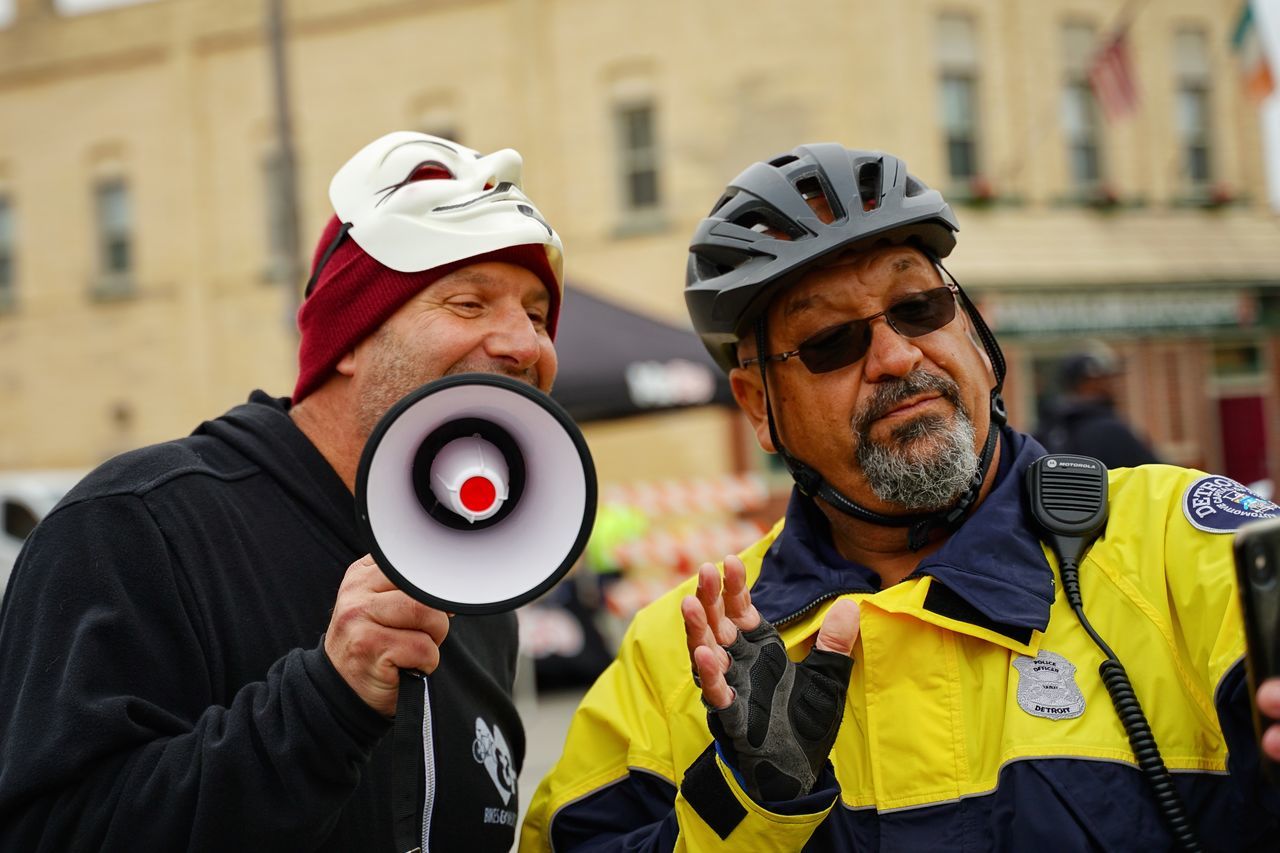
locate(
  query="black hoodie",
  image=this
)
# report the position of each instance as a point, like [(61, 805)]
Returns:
[(163, 684)]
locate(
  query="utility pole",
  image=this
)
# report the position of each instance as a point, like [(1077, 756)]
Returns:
[(286, 184)]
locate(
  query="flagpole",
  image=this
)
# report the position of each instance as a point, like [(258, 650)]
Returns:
[(1042, 128), (1127, 13), (286, 188)]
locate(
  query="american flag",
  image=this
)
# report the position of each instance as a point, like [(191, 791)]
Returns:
[(1111, 76)]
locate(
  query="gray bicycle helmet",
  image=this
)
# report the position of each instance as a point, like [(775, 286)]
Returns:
[(762, 235)]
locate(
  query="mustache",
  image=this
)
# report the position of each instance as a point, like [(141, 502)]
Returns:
[(889, 395)]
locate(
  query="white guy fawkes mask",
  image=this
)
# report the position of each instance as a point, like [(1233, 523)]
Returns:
[(416, 202)]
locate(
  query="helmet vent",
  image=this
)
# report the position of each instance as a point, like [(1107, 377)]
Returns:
[(869, 181), (816, 196), (914, 187), (709, 269), (724, 199), (753, 221), (761, 221), (810, 187), (779, 162)]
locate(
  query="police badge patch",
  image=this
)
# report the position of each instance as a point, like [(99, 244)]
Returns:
[(1047, 686), (1220, 505)]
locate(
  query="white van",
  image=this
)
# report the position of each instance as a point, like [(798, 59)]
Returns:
[(25, 498)]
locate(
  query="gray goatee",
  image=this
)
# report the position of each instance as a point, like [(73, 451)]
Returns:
[(926, 463)]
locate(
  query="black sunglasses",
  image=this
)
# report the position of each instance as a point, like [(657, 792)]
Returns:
[(841, 345)]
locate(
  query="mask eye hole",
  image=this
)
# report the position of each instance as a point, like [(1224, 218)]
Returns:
[(427, 170), (432, 170)]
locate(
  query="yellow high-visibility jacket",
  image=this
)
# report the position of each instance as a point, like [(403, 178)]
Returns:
[(975, 718)]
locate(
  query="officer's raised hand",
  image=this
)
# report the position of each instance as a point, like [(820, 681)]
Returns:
[(774, 721)]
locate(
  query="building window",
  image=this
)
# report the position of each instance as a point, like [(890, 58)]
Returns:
[(1191, 64), (115, 238), (8, 274), (638, 156), (441, 123), (1080, 117), (435, 113), (958, 96)]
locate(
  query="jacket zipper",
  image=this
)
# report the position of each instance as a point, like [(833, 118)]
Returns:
[(812, 604), (428, 765)]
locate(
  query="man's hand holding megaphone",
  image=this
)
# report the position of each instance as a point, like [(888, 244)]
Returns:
[(376, 631)]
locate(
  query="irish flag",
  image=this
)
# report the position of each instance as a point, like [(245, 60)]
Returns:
[(1247, 43)]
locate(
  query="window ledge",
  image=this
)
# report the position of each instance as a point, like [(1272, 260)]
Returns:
[(1100, 201), (1208, 201), (965, 198), (113, 287), (641, 223)]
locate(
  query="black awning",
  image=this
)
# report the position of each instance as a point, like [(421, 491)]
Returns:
[(615, 362)]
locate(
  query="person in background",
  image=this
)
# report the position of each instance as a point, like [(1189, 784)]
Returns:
[(896, 665), (199, 653), (1083, 418)]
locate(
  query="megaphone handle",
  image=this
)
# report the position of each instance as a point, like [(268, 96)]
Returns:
[(408, 774)]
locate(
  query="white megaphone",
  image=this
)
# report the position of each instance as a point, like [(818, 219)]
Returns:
[(477, 493)]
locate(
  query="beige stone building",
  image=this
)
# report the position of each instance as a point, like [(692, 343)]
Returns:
[(140, 256)]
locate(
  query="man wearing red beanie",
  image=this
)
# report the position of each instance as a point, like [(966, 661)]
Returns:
[(209, 659)]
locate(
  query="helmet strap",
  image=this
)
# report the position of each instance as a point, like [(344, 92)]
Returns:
[(810, 482), (324, 259), (999, 417)]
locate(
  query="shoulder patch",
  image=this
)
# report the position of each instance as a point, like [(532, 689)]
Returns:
[(1220, 505)]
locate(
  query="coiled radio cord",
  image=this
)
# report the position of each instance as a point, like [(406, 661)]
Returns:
[(1135, 722)]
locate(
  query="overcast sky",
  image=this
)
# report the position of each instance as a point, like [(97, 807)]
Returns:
[(1268, 17)]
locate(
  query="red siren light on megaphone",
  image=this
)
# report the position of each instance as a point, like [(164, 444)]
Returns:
[(477, 493)]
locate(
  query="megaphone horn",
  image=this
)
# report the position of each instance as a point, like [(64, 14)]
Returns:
[(477, 493)]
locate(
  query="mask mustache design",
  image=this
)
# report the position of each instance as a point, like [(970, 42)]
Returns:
[(529, 211), (498, 193)]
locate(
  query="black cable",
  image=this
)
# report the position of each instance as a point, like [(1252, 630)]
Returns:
[(1129, 709)]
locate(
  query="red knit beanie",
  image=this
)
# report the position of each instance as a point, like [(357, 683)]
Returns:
[(354, 294)]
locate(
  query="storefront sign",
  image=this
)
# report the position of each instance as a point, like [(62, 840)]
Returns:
[(677, 382), (1153, 311)]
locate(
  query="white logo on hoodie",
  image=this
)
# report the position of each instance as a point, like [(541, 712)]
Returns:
[(490, 749)]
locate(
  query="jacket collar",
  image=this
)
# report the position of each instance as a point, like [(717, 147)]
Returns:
[(992, 572), (262, 430)]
